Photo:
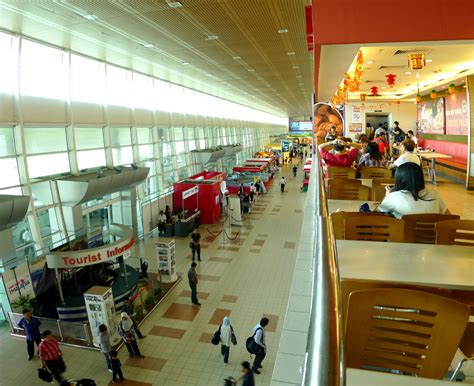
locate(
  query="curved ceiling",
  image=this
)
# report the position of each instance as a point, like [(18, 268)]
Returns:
[(250, 52)]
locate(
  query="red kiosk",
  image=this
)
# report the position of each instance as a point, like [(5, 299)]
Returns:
[(206, 198)]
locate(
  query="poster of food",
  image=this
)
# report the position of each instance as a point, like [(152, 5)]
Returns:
[(431, 117), (355, 127), (325, 117), (457, 117)]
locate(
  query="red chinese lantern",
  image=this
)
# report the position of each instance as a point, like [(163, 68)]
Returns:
[(363, 96), (433, 94), (391, 79), (452, 88), (416, 61), (418, 98), (360, 57), (374, 90)]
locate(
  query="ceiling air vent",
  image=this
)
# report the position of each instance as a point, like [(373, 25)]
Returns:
[(391, 67), (412, 51), (374, 81), (174, 4)]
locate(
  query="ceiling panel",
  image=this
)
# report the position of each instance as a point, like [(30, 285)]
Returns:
[(246, 28)]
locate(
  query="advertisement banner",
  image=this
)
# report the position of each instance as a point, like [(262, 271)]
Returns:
[(325, 117), (431, 117), (190, 192), (457, 117), (18, 282)]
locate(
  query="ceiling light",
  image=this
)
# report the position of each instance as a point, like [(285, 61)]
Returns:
[(90, 17), (208, 74), (185, 63), (370, 62), (174, 4), (282, 31), (251, 70), (429, 60), (407, 72), (148, 45), (236, 57), (299, 76), (290, 53), (295, 67), (212, 37)]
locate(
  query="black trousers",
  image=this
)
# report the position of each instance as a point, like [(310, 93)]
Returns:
[(30, 346), (53, 366), (196, 248), (225, 351), (259, 357), (116, 372), (282, 187), (194, 297), (132, 348)]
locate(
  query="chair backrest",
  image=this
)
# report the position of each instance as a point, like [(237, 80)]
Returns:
[(420, 228), (373, 228), (455, 232), (400, 329), (350, 190), (341, 172), (467, 341), (375, 172), (338, 219), (378, 187)]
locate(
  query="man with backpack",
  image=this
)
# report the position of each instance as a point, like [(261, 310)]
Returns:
[(259, 347)]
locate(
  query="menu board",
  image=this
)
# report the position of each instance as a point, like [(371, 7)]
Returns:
[(457, 117), (431, 117)]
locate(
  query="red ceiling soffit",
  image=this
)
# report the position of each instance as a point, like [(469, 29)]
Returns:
[(308, 9)]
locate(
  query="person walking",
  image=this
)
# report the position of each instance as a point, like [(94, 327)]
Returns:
[(127, 332), (31, 326), (247, 377), (129, 308), (282, 184), (116, 367), (261, 349), (195, 245), (105, 345), (193, 281), (295, 169), (227, 337), (51, 356)]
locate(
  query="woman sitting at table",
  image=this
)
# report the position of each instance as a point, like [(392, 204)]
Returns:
[(341, 156), (409, 195), (372, 157), (408, 154)]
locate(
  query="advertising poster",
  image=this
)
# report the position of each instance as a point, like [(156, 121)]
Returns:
[(431, 117), (355, 127), (326, 116), (18, 282), (457, 117)]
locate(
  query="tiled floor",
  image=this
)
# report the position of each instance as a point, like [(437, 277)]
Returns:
[(246, 280), (237, 279)]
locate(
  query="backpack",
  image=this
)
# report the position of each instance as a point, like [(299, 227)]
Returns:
[(250, 342), (45, 375), (86, 382), (216, 338)]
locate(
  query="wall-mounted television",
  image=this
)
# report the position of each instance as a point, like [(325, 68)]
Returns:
[(301, 126)]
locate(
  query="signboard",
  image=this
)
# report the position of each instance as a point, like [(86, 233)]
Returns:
[(355, 127), (457, 117), (431, 117), (285, 146), (190, 192), (325, 117), (86, 257), (301, 126), (18, 282), (356, 115)]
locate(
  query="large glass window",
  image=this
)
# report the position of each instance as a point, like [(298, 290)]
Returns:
[(87, 80), (9, 172), (45, 140), (122, 155), (119, 86), (8, 63), (179, 146), (143, 91), (48, 164), (7, 141), (89, 138), (120, 136), (145, 152), (43, 71), (87, 159), (144, 135)]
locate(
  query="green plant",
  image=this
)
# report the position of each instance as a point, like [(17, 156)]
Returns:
[(157, 292), (149, 301), (24, 301)]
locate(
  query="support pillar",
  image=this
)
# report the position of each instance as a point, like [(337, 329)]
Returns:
[(470, 133)]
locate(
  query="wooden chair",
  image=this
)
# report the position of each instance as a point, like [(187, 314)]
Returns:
[(455, 232), (338, 219), (375, 172), (373, 228), (408, 331), (378, 187), (350, 190), (467, 348), (341, 172), (420, 228)]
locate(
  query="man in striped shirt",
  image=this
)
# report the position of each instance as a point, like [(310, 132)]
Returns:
[(50, 355)]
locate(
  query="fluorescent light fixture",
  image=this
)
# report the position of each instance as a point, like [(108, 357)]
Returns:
[(90, 16), (251, 70), (295, 67), (212, 37), (407, 72), (370, 62), (282, 31), (429, 60), (185, 63), (290, 53), (236, 57), (208, 74), (174, 4), (147, 45), (299, 76)]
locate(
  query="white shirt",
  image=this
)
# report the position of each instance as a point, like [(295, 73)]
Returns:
[(163, 217), (259, 336), (407, 157), (226, 335), (282, 181), (414, 139), (402, 202)]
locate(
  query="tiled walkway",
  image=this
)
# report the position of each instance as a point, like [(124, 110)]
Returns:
[(245, 279)]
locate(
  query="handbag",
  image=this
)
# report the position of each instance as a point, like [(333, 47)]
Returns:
[(250, 343), (233, 338), (45, 375), (216, 338)]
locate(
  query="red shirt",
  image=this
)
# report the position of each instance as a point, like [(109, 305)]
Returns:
[(382, 144), (49, 350), (346, 159)]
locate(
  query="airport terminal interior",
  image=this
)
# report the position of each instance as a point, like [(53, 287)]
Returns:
[(314, 158)]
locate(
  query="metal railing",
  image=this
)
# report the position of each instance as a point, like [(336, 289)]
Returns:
[(324, 359), (72, 333)]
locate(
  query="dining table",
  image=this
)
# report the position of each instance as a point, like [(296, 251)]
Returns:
[(348, 205), (431, 157), (445, 266)]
